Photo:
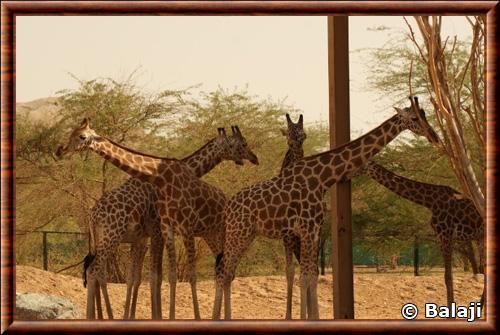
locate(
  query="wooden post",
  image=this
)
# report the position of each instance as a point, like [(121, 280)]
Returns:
[(338, 75), (45, 249)]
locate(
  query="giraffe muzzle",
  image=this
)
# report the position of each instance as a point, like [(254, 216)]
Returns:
[(59, 152), (254, 160)]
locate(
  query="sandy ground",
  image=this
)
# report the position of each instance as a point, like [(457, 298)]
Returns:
[(377, 296)]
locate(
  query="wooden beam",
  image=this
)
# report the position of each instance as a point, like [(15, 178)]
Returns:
[(338, 76)]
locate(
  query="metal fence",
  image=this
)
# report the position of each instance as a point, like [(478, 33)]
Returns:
[(77, 246)]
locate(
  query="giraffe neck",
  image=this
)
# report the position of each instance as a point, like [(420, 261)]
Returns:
[(420, 193), (136, 164), (293, 154), (204, 159), (333, 166)]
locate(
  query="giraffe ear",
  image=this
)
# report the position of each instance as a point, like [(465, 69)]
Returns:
[(85, 123), (222, 132), (301, 120), (284, 132), (399, 111), (236, 130)]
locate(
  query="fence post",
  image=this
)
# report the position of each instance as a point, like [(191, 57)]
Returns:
[(416, 257), (45, 252)]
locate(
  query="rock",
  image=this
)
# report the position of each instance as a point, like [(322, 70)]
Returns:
[(41, 306)]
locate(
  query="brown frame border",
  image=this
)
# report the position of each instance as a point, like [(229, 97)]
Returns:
[(9, 9)]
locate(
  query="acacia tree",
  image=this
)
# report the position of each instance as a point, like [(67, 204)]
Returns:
[(60, 194), (451, 72), (457, 94)]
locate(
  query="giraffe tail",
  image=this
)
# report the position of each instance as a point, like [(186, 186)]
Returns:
[(218, 260), (86, 263)]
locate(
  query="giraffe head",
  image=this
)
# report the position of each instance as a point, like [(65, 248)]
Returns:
[(80, 139), (294, 133), (235, 147), (413, 118)]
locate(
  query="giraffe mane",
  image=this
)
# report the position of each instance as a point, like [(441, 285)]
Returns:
[(135, 151), (340, 147), (199, 149)]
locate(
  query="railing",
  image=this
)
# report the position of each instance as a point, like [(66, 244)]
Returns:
[(45, 243)]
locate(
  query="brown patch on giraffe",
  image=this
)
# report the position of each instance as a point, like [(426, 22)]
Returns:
[(357, 161), (324, 159), (369, 140), (356, 151), (346, 155), (325, 174), (313, 183)]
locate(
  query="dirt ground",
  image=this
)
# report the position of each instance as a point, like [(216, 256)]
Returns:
[(376, 295)]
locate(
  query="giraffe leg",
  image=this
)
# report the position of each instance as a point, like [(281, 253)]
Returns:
[(237, 242), (482, 259), (469, 251), (312, 297), (94, 291), (156, 275), (99, 272), (91, 297), (218, 297), (130, 279), (289, 243), (309, 274), (227, 300), (137, 265), (191, 263), (98, 301), (107, 302), (446, 249), (172, 269)]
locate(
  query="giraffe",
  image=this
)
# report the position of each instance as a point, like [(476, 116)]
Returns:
[(126, 214), (295, 138), (186, 205), (292, 202), (454, 217)]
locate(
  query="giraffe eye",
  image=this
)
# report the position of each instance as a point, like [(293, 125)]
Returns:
[(83, 136)]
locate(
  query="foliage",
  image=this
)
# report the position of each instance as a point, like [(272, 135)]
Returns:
[(57, 195), (450, 74)]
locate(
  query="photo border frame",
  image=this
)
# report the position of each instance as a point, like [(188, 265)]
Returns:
[(11, 9)]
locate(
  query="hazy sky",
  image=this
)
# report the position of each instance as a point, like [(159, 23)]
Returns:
[(275, 56)]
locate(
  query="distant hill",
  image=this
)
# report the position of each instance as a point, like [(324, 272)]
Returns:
[(44, 110)]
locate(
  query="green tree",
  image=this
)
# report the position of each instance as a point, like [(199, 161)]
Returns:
[(58, 195), (450, 72)]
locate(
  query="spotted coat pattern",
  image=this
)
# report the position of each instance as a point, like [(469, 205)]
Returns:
[(454, 217), (186, 205), (292, 203)]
